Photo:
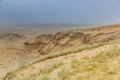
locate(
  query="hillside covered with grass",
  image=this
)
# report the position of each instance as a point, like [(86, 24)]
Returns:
[(89, 62)]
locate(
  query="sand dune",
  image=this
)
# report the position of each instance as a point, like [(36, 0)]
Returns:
[(16, 49)]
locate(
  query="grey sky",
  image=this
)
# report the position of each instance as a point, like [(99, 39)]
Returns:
[(59, 11)]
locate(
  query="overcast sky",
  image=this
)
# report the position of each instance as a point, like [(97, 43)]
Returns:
[(59, 11)]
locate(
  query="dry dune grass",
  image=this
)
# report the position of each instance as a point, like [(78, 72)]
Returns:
[(100, 63)]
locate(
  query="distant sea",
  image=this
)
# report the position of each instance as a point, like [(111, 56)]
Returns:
[(38, 29)]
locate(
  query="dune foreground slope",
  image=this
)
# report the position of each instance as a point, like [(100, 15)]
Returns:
[(100, 63), (81, 54)]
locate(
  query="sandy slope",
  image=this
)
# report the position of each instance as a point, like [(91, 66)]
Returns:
[(12, 52), (32, 70), (16, 49)]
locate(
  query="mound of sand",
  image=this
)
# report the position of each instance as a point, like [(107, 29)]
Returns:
[(64, 40), (16, 49), (11, 37)]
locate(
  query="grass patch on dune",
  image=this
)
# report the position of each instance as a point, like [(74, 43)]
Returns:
[(109, 54), (54, 55), (96, 67), (40, 73), (49, 68)]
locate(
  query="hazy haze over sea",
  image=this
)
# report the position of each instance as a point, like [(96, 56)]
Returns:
[(38, 29), (33, 12)]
